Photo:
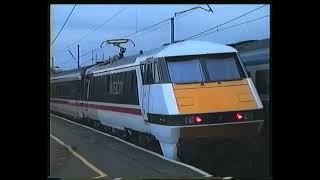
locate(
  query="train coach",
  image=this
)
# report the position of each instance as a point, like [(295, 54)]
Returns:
[(164, 97)]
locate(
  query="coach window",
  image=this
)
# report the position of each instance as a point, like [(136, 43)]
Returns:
[(78, 89), (107, 82), (73, 90), (59, 90), (91, 88), (51, 91), (65, 90), (156, 72), (142, 71), (163, 71), (69, 95), (151, 73), (101, 86), (128, 81), (133, 81), (262, 81), (111, 79), (118, 84), (145, 73), (56, 95), (160, 73)]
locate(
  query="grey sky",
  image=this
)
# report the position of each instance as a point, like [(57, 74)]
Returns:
[(87, 17)]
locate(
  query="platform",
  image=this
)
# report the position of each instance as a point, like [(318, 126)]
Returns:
[(113, 157)]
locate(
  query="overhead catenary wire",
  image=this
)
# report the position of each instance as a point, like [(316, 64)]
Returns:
[(147, 28), (156, 24), (210, 10), (65, 22), (168, 19), (99, 26), (218, 30), (191, 37), (177, 17), (130, 35), (159, 27), (185, 14)]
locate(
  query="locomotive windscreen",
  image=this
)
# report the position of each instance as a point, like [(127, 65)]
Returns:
[(187, 71), (205, 68)]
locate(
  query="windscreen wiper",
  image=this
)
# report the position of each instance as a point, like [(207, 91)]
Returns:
[(202, 79)]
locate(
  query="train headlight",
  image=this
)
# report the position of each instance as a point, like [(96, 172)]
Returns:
[(197, 119), (239, 116), (193, 120)]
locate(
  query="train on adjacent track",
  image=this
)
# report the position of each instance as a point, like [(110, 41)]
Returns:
[(165, 97)]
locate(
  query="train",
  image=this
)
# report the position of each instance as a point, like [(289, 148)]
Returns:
[(256, 58), (164, 97)]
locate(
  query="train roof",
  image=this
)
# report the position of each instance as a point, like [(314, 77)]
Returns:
[(251, 45), (125, 61), (186, 48), (73, 74), (183, 48), (255, 56)]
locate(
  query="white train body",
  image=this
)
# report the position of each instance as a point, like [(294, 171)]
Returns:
[(130, 102)]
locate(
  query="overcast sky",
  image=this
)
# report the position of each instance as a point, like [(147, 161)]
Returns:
[(133, 18)]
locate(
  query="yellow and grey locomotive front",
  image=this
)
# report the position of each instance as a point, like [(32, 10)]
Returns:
[(196, 89)]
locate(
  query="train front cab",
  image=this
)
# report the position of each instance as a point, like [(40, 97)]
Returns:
[(188, 97)]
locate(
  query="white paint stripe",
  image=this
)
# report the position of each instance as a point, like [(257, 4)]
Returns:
[(233, 123), (206, 125), (205, 174), (227, 178), (123, 68), (98, 103), (114, 104), (255, 93), (86, 162)]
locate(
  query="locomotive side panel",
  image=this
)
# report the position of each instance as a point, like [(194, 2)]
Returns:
[(162, 100), (65, 97), (113, 99)]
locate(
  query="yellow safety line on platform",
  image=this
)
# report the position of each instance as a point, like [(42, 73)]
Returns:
[(86, 162)]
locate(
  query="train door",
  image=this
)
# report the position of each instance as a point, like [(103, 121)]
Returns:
[(77, 96), (85, 95), (145, 74)]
